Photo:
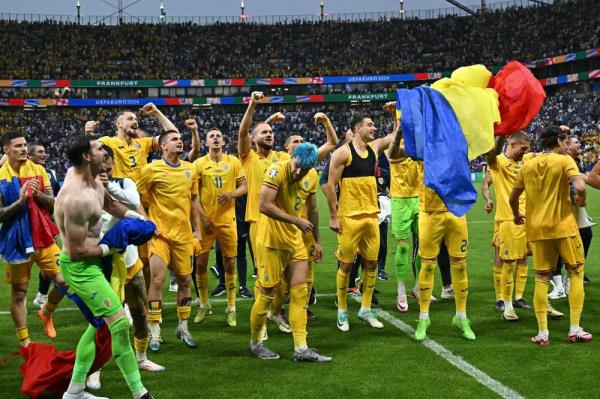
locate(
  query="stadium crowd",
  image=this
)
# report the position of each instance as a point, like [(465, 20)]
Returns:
[(49, 50), (581, 112)]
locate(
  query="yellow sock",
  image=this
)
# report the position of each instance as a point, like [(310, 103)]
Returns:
[(258, 315), (202, 283), (140, 345), (154, 312), (230, 287), (309, 280), (369, 277), (460, 283), (298, 298), (498, 282), (540, 303), (426, 284), (521, 280), (508, 281), (341, 281), (576, 295), (23, 335), (280, 297), (183, 312)]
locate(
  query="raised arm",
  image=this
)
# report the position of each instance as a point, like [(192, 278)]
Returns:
[(277, 117), (192, 126), (332, 138), (246, 124), (485, 191), (151, 110), (383, 143), (336, 167), (593, 179), (493, 154)]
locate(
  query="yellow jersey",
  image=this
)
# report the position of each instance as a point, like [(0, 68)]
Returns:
[(358, 185), (545, 180), (406, 178), (256, 165), (168, 191), (291, 198), (431, 202), (129, 158), (504, 174), (217, 178), (313, 175)]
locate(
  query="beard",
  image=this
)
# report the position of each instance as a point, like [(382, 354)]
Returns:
[(264, 146)]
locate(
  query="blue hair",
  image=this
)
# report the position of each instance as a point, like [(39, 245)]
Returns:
[(306, 155)]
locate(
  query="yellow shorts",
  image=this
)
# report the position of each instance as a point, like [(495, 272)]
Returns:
[(134, 270), (45, 258), (309, 244), (546, 252), (359, 235), (437, 226), (272, 263), (495, 233), (178, 257), (512, 241), (226, 236)]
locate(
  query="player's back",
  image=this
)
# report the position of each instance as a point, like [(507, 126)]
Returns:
[(545, 179)]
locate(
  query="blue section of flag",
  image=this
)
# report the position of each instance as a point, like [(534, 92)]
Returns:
[(228, 100), (32, 102), (184, 83), (303, 99), (19, 83), (432, 133), (570, 57), (290, 81), (265, 82), (275, 99)]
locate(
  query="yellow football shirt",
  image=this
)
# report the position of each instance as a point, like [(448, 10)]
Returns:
[(129, 158), (313, 175), (406, 178), (217, 178), (504, 174), (431, 202), (545, 179), (291, 197), (168, 190), (256, 166)]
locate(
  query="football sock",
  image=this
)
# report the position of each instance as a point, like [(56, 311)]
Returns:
[(540, 303), (401, 261), (298, 298), (521, 280), (341, 282), (123, 354), (230, 280), (497, 271), (258, 315), (154, 312), (460, 282), (426, 284), (280, 297), (202, 284), (576, 295), (369, 278), (508, 270), (310, 276), (84, 359), (141, 346)]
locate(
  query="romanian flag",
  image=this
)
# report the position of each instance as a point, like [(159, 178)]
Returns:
[(455, 120)]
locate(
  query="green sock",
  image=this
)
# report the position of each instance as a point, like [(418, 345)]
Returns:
[(84, 356), (401, 262), (123, 354)]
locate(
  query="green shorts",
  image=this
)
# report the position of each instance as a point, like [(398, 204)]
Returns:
[(85, 279), (405, 217)]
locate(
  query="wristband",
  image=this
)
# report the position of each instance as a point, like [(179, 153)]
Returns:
[(134, 215), (105, 249)]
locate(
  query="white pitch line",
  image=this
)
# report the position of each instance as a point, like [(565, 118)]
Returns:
[(455, 360)]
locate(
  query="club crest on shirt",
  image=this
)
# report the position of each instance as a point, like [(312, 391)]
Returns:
[(305, 183), (137, 146), (188, 174), (225, 167), (273, 173)]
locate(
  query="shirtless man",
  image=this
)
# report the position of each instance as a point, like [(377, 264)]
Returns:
[(78, 212)]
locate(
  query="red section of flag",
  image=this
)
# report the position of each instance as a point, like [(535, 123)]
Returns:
[(421, 76), (63, 83), (317, 98), (16, 102), (238, 82), (277, 81), (172, 101)]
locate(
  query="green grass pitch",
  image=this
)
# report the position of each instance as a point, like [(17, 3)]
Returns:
[(366, 362)]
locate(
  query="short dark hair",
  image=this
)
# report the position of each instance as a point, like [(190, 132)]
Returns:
[(121, 113), (77, 146), (520, 135), (10, 136), (550, 137), (357, 120), (163, 135), (32, 146), (109, 151)]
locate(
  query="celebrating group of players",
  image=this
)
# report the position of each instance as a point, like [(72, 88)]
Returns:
[(192, 205)]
